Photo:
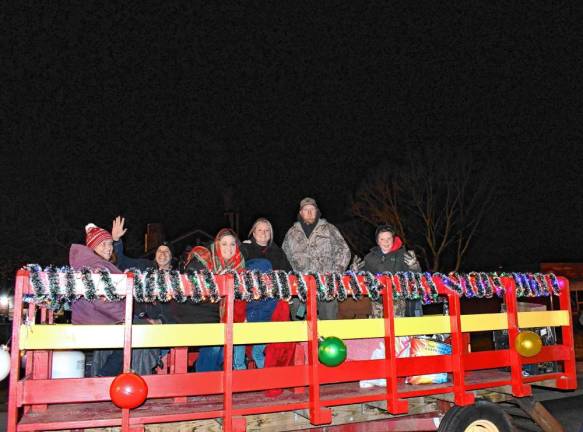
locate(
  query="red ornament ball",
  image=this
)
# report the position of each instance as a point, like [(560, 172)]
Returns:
[(128, 390)]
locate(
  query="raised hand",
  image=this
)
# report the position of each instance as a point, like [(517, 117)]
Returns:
[(411, 261), (357, 263), (117, 229)]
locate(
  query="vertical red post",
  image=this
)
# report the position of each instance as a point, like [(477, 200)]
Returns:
[(226, 281), (461, 397), (568, 381), (318, 414), (41, 359), (127, 342), (180, 365), (29, 365), (394, 404), (519, 389), (21, 279)]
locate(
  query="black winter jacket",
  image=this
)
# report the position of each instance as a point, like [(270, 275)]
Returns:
[(272, 252), (377, 262)]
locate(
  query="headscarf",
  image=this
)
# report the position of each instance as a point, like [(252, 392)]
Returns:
[(236, 262), (201, 255)]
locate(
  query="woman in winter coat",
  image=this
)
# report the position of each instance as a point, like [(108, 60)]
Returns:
[(146, 312), (224, 254), (96, 255), (261, 246)]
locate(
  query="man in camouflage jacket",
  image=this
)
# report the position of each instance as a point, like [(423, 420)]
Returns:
[(314, 245)]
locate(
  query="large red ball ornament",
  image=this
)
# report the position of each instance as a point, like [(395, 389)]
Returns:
[(128, 390)]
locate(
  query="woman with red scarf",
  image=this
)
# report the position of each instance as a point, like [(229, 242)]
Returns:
[(224, 254)]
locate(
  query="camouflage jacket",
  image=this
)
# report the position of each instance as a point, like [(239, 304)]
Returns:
[(324, 251)]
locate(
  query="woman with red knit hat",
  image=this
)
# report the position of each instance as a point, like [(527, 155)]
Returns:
[(96, 255)]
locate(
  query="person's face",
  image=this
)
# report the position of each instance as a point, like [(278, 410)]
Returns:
[(385, 241), (105, 249), (163, 257), (262, 234), (228, 246), (308, 213)]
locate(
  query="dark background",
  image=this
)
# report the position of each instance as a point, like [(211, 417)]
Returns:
[(153, 110)]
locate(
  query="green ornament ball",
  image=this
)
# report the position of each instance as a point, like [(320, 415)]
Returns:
[(332, 351)]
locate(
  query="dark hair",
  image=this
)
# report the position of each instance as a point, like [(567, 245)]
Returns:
[(168, 245), (384, 228)]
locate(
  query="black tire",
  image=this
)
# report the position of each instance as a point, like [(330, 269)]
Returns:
[(446, 420), (457, 419)]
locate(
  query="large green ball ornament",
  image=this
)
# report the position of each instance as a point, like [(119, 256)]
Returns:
[(332, 351)]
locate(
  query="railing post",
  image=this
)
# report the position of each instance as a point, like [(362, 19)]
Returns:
[(230, 424), (461, 397), (318, 414), (21, 279), (394, 404), (568, 381), (127, 342), (519, 389)]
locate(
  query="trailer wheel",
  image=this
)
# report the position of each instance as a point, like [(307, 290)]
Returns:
[(480, 417)]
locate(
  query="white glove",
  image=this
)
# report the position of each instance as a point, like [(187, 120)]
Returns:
[(357, 263), (411, 261)]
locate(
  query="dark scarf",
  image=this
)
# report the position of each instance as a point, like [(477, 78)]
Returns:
[(308, 228), (262, 249)]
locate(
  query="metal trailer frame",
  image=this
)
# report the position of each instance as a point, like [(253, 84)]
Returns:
[(37, 402)]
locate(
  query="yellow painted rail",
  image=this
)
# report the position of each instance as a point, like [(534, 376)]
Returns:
[(67, 336)]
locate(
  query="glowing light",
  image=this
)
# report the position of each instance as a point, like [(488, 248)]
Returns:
[(4, 301)]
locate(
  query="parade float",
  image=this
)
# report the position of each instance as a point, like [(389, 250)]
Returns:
[(323, 389)]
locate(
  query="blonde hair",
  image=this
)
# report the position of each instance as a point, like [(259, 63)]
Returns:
[(265, 221)]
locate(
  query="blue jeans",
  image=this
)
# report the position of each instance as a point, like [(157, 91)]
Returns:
[(260, 311), (239, 357), (256, 352), (209, 359)]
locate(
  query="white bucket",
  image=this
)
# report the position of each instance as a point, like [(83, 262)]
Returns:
[(68, 364)]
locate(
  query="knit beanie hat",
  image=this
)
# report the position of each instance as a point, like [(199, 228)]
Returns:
[(95, 235), (308, 201)]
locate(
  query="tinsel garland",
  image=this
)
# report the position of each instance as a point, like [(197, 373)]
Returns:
[(451, 283), (109, 289), (372, 285), (275, 284), (211, 283), (37, 283), (175, 284), (354, 286), (555, 284), (320, 288), (149, 283), (87, 279), (152, 284), (341, 294), (262, 291), (192, 277), (432, 287), (162, 287), (284, 282), (236, 284), (53, 288), (69, 284), (248, 286), (138, 287), (302, 287)]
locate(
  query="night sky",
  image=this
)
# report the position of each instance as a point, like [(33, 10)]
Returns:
[(153, 112)]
